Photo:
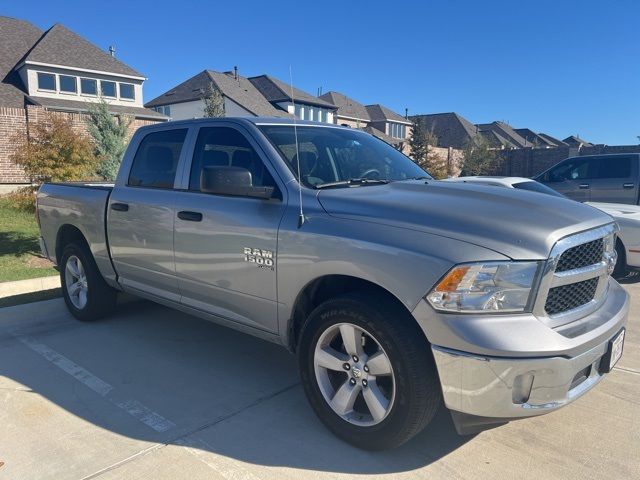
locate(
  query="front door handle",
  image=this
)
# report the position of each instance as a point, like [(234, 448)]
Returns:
[(120, 207), (628, 185), (584, 186), (190, 216)]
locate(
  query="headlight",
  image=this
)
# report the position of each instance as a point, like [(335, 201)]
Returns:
[(485, 287), (610, 254)]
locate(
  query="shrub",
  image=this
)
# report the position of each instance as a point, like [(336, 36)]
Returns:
[(52, 152)]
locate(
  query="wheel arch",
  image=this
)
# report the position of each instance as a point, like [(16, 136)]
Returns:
[(67, 234), (325, 287)]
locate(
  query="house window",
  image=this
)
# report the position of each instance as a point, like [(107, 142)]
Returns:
[(396, 130), (46, 81), (88, 86), (108, 89), (163, 109), (127, 91), (298, 112), (68, 84)]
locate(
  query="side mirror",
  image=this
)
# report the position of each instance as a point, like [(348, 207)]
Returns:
[(236, 181)]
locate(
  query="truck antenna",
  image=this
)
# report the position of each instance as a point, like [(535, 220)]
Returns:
[(295, 134)]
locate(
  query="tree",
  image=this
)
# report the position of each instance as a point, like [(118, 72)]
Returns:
[(213, 102), (423, 151), (479, 159), (109, 135), (54, 152)]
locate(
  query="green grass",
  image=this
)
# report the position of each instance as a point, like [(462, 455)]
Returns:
[(20, 256)]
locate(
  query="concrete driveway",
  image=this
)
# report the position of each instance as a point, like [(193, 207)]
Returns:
[(154, 394)]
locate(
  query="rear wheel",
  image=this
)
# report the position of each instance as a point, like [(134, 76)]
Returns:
[(85, 292), (368, 371)]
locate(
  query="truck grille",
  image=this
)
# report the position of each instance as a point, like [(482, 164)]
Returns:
[(568, 297), (580, 256), (576, 278)]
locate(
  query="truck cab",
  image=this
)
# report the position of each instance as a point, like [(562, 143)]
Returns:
[(596, 178)]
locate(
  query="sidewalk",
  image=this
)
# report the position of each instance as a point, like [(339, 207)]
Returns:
[(11, 289)]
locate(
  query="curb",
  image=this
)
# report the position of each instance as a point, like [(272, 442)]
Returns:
[(10, 289)]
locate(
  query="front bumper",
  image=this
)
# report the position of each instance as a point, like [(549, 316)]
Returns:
[(481, 389)]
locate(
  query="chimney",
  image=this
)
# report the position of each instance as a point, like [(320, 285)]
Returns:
[(112, 51), (319, 91), (235, 72), (406, 113)]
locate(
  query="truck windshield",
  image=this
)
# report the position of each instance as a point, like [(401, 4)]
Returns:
[(335, 157)]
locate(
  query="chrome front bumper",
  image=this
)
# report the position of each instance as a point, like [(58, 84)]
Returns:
[(484, 389)]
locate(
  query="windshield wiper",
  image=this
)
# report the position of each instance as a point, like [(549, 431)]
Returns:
[(416, 178), (353, 181)]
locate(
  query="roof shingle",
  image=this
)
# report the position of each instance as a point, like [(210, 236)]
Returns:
[(240, 90), (275, 90), (380, 113), (61, 46), (347, 107)]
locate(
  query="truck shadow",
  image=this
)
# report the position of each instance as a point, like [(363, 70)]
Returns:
[(629, 278), (219, 390)]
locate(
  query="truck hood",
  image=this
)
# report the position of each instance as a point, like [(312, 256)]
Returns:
[(516, 223)]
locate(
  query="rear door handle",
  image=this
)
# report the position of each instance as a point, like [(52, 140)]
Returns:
[(190, 216), (120, 207), (628, 185), (584, 186)]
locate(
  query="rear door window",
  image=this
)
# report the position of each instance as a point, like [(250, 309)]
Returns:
[(225, 146), (612, 167), (156, 160)]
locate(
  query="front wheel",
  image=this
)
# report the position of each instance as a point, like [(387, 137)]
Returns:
[(85, 292), (620, 270), (368, 371)]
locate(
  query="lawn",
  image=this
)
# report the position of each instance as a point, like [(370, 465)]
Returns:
[(20, 256)]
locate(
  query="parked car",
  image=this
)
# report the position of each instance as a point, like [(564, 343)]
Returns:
[(626, 216), (396, 292), (596, 178)]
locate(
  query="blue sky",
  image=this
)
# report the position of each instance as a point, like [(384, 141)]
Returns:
[(561, 67)]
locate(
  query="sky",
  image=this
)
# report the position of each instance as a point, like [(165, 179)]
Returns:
[(560, 67)]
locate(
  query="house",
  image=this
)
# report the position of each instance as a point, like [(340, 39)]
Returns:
[(552, 140), (534, 139), (575, 141), (350, 113), (390, 123), (307, 107), (450, 128), (57, 70), (501, 135), (241, 97)]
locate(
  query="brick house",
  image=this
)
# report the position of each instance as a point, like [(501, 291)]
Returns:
[(58, 71)]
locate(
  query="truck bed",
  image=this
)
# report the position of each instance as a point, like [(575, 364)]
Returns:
[(81, 205)]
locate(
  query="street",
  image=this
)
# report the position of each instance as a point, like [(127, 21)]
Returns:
[(152, 393)]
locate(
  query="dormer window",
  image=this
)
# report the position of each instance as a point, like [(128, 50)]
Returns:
[(88, 86), (127, 91), (108, 89), (397, 130), (68, 84), (46, 81)]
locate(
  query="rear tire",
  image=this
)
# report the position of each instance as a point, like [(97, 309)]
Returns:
[(389, 401), (85, 292)]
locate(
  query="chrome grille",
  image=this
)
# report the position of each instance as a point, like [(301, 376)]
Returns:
[(575, 279), (581, 256), (568, 297)]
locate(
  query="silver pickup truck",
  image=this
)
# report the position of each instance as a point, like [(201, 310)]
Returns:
[(397, 292)]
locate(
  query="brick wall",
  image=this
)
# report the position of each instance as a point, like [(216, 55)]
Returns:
[(16, 120), (12, 122)]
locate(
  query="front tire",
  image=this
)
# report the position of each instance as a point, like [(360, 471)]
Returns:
[(621, 269), (85, 292), (368, 372)]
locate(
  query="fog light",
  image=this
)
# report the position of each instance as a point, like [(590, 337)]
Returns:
[(522, 388)]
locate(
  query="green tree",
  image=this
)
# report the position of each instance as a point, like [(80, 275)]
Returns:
[(479, 159), (213, 102), (110, 137), (52, 152), (423, 143)]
